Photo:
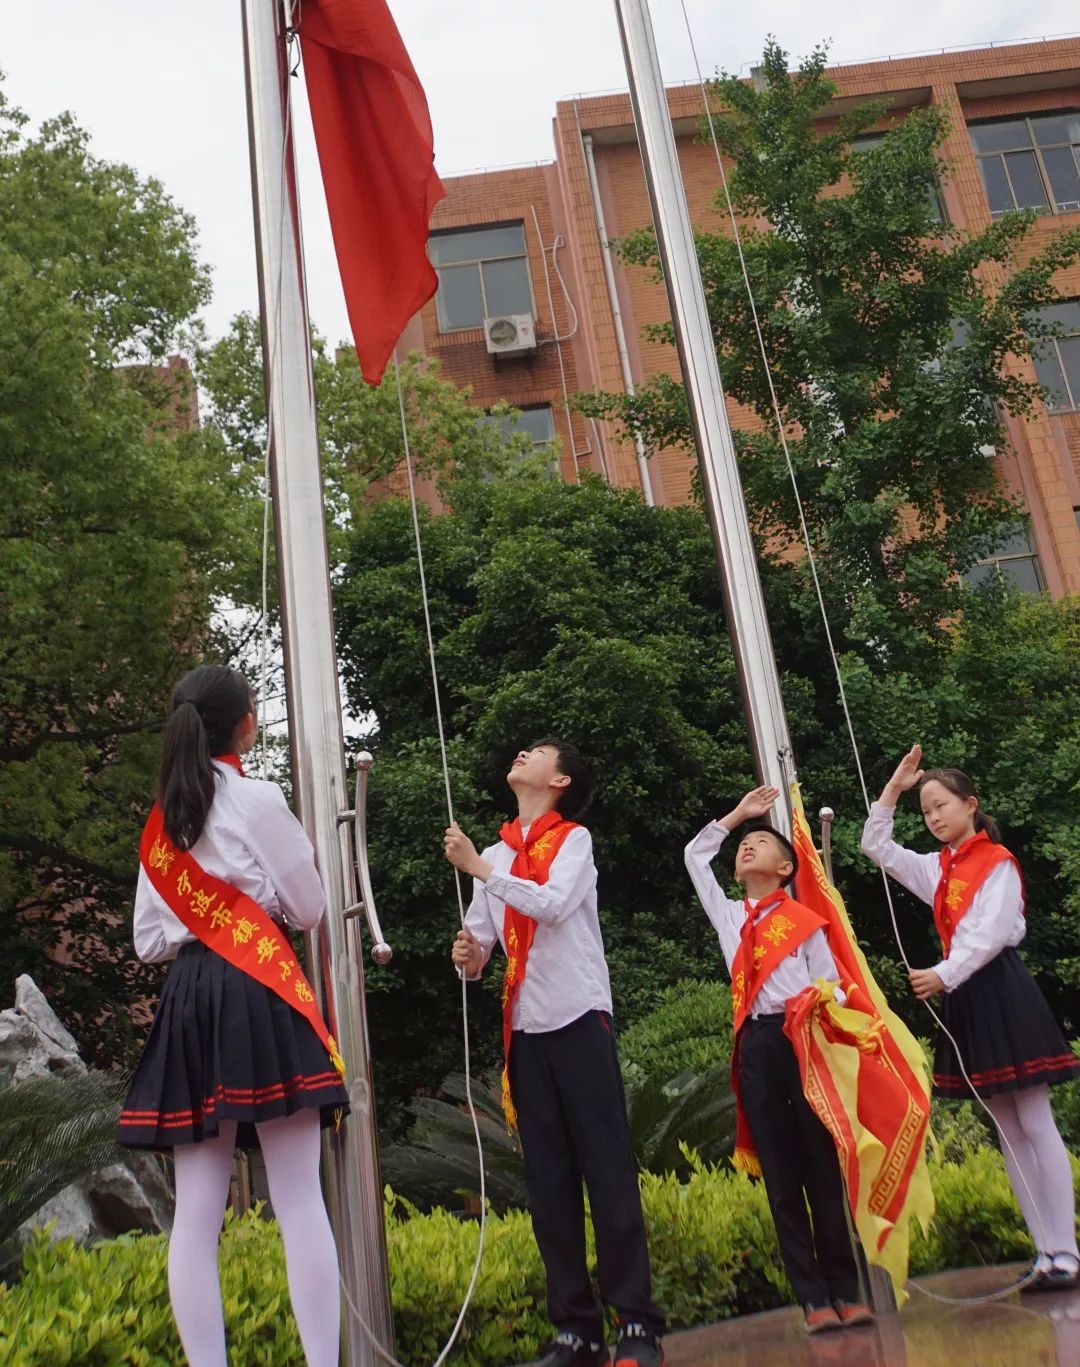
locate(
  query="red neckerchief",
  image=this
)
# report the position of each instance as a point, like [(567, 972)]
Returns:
[(233, 761)]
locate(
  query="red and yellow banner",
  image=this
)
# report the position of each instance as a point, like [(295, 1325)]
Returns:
[(865, 1076), (230, 923)]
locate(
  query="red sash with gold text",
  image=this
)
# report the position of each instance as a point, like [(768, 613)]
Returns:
[(230, 922), (762, 947), (963, 872), (533, 858)]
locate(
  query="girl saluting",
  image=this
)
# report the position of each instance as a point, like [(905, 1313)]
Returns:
[(1007, 1038)]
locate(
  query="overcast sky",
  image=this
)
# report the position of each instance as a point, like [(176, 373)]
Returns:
[(161, 86)]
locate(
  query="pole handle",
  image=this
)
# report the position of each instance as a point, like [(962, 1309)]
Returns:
[(380, 950), (827, 814)]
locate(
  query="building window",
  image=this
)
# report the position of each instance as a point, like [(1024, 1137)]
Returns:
[(1057, 359), (1030, 163), (865, 141), (538, 423), (1016, 561), (483, 272)]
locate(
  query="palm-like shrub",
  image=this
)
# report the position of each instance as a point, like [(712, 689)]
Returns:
[(53, 1131), (438, 1162), (676, 1068)]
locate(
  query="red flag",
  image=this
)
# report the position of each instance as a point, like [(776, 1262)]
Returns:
[(373, 132)]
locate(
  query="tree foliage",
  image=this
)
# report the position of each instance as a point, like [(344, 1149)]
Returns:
[(555, 608), (887, 333), (53, 1131), (360, 432), (579, 611), (119, 528)]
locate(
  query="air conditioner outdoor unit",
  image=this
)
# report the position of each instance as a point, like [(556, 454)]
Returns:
[(510, 335)]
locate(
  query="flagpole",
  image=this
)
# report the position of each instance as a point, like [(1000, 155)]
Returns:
[(748, 626), (350, 1167)]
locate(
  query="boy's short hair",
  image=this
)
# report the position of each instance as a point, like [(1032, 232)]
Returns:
[(573, 800), (785, 844)]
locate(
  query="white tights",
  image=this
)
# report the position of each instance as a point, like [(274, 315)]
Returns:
[(290, 1148), (1036, 1155)]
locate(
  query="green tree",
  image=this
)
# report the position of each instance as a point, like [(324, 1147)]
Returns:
[(555, 607), (120, 528), (886, 332), (1005, 707), (360, 437), (577, 610)]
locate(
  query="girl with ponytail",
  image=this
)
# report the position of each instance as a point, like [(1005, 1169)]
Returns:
[(1006, 1039), (238, 1054)]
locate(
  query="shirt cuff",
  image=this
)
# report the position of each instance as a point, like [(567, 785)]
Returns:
[(946, 973), (882, 807)]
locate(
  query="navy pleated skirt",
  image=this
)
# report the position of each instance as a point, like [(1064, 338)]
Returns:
[(1007, 1035), (224, 1047)]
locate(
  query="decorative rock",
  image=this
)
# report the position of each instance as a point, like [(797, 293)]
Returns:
[(31, 1002), (133, 1195)]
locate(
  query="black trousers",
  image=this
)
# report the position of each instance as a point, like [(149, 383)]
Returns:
[(799, 1164), (572, 1117)]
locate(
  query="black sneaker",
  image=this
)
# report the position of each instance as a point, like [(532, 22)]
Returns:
[(638, 1348), (570, 1350)]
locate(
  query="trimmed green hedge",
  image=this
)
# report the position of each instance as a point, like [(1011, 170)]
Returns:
[(713, 1247)]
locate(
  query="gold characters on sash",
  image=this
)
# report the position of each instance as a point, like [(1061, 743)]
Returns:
[(161, 857), (243, 931), (738, 989)]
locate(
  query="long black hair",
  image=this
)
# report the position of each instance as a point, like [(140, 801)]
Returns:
[(207, 706), (961, 786)]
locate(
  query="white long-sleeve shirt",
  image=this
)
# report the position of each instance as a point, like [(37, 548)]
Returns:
[(804, 966), (994, 921), (566, 973), (252, 841)]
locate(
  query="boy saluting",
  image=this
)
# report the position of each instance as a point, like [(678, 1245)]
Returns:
[(775, 948), (535, 893)]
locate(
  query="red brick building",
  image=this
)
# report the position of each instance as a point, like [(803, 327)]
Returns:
[(525, 245)]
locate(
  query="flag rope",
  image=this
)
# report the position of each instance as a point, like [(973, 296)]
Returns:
[(380, 1348), (856, 753), (383, 1352)]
